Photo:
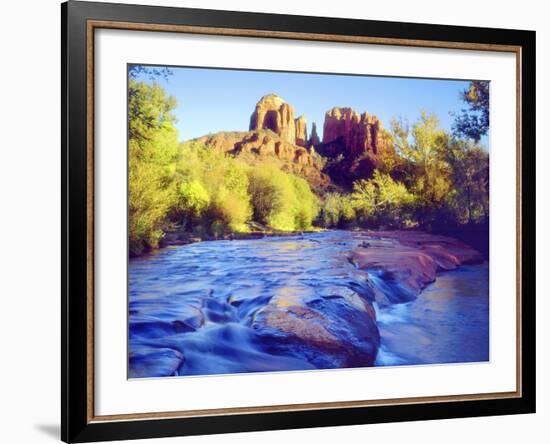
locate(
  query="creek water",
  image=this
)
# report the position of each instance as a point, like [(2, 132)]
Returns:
[(190, 307)]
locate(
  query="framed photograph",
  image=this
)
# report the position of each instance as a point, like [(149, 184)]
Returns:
[(275, 221)]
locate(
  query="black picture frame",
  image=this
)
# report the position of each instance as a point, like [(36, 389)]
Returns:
[(77, 327)]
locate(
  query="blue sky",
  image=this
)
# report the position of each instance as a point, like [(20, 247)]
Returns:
[(212, 100)]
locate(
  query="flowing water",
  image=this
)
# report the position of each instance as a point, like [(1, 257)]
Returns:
[(190, 307)]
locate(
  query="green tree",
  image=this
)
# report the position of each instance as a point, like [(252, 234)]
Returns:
[(281, 200), (382, 200), (216, 188), (152, 152), (473, 122), (429, 174), (272, 197), (306, 204), (150, 73), (193, 199), (336, 210), (470, 196)]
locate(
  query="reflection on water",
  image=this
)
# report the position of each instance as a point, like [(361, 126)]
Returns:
[(191, 307)]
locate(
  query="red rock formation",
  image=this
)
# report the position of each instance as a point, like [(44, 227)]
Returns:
[(357, 143), (314, 137), (410, 259), (301, 131), (274, 136), (224, 141), (257, 146), (356, 134), (273, 113)]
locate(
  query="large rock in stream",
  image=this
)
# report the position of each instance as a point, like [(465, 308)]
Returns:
[(149, 362), (402, 263), (335, 330)]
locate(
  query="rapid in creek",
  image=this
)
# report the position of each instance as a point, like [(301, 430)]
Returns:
[(295, 303)]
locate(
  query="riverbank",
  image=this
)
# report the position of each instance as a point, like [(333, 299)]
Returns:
[(256, 231), (476, 236)]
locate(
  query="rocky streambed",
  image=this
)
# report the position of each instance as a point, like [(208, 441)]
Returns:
[(335, 299)]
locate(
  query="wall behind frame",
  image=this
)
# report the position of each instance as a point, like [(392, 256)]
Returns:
[(30, 208)]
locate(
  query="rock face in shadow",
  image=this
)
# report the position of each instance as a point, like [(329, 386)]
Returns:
[(356, 143), (353, 133), (314, 137), (402, 263)]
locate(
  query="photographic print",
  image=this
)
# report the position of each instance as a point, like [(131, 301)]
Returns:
[(282, 221)]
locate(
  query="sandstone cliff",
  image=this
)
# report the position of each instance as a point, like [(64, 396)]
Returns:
[(273, 113), (355, 144), (352, 147), (301, 131), (354, 134), (265, 145), (274, 136)]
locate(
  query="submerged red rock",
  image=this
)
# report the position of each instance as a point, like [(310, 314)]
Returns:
[(407, 261)]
